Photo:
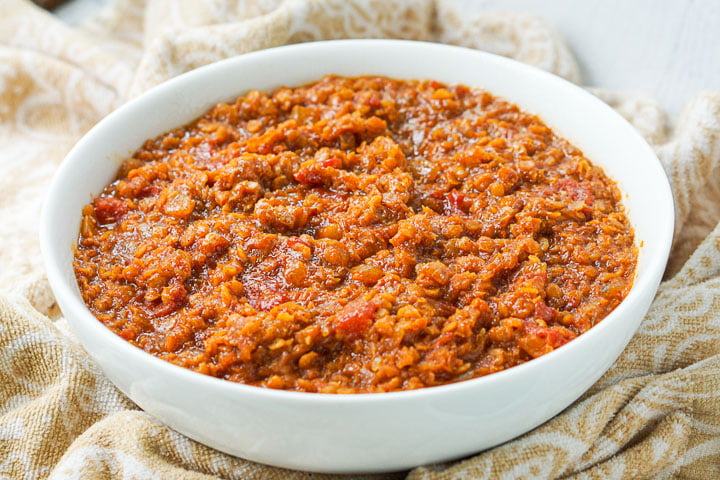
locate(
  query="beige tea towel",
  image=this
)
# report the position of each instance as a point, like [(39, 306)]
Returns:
[(654, 415)]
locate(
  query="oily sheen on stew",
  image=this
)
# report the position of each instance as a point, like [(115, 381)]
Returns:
[(356, 235)]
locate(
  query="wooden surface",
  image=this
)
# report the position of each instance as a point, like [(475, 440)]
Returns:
[(668, 48)]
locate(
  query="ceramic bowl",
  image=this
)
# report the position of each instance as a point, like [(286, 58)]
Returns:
[(366, 432)]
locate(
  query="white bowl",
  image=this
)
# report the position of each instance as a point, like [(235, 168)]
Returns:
[(367, 432)]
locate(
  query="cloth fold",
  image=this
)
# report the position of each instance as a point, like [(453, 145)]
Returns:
[(655, 414)]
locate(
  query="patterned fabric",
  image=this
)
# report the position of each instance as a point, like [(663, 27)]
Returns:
[(655, 414)]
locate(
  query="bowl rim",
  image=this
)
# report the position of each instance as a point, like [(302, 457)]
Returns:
[(66, 296)]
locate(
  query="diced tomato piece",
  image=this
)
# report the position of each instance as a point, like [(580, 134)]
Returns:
[(444, 338), (355, 318), (265, 298), (310, 175), (559, 336), (544, 312), (539, 340), (330, 161), (456, 202), (576, 190), (149, 191), (109, 209), (173, 297)]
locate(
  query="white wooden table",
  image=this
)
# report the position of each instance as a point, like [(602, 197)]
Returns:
[(668, 48)]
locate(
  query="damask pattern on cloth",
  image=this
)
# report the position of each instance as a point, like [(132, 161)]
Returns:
[(655, 414)]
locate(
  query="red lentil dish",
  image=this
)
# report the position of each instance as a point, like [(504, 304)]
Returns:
[(356, 235)]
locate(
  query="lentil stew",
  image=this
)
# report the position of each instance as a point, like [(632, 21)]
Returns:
[(356, 235)]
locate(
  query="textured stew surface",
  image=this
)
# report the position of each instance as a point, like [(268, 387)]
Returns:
[(356, 235)]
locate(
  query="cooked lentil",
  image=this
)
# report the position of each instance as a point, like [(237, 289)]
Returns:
[(356, 235)]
